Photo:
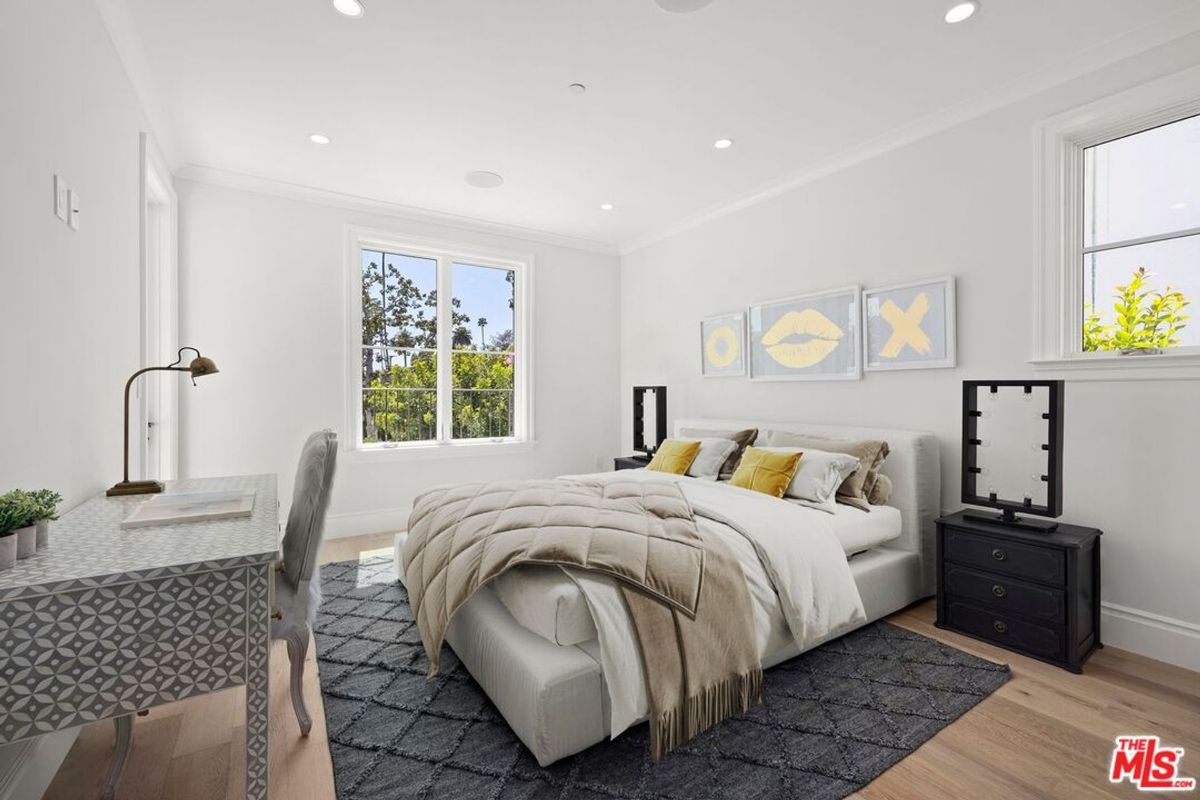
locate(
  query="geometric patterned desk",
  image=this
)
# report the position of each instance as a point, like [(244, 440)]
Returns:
[(107, 622)]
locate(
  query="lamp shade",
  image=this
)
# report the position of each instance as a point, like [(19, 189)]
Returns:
[(202, 366)]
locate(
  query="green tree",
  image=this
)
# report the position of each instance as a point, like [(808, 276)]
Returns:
[(1145, 318)]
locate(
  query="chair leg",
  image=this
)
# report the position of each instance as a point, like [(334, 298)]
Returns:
[(297, 647), (124, 727)]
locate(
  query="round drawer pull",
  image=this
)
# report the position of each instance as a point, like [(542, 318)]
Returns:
[(999, 590), (1000, 627), (999, 554)]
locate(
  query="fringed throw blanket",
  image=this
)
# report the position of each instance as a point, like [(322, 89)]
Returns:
[(684, 589)]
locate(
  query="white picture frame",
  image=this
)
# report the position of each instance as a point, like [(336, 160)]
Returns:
[(886, 347), (723, 337), (807, 337)]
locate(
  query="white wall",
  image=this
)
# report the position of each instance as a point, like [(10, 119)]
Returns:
[(261, 287), (960, 202), (68, 300)]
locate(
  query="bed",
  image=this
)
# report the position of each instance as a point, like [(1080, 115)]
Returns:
[(546, 676)]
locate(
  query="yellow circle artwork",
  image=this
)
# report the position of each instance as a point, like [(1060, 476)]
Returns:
[(721, 349)]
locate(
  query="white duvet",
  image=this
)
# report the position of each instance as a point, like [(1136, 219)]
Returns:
[(800, 585)]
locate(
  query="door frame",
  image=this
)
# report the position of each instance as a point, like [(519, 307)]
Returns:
[(157, 428)]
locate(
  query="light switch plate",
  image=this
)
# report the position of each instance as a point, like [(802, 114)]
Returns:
[(72, 209), (60, 198)]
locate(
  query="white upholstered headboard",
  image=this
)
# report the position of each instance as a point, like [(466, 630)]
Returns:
[(914, 466)]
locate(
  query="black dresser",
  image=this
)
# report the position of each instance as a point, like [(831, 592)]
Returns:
[(630, 462), (1035, 593)]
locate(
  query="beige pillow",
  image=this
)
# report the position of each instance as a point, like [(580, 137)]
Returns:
[(881, 492), (743, 439), (855, 490)]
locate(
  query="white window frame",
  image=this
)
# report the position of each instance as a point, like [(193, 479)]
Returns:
[(1059, 224), (446, 254)]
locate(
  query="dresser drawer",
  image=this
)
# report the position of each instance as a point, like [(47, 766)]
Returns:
[(1006, 595), (998, 554), (1038, 640)]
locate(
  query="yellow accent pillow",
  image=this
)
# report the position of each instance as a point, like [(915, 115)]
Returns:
[(674, 456), (765, 471)]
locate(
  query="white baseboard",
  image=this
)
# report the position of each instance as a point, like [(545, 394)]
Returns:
[(1164, 638), (356, 523), (27, 767)]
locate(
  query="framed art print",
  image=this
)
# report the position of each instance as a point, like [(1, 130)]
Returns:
[(910, 326), (723, 345), (810, 337)]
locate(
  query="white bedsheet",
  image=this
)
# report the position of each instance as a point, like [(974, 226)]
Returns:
[(799, 581), (548, 602), (860, 530)]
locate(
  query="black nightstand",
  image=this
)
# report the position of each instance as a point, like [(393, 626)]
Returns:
[(630, 462), (1035, 593)]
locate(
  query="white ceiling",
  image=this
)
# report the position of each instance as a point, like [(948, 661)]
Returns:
[(419, 92)]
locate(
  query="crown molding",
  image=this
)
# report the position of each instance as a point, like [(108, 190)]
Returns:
[(368, 205), (123, 34), (1161, 31)]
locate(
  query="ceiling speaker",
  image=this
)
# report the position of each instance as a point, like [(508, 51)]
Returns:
[(681, 6)]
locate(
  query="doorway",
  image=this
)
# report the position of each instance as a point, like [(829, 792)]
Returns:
[(157, 429)]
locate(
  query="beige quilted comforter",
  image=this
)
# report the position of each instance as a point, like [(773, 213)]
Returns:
[(685, 592)]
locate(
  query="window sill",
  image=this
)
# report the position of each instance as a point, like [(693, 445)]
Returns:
[(1167, 366), (421, 452)]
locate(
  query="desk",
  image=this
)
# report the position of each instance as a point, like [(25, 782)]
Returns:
[(107, 622)]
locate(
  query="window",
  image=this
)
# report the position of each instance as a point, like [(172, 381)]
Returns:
[(1119, 274), (1140, 241), (440, 345)]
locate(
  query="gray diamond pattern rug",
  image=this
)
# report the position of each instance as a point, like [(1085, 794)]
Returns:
[(835, 717)]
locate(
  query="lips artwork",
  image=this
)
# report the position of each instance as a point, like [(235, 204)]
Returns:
[(801, 339)]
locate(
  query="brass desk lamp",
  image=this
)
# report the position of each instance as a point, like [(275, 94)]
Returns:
[(199, 367)]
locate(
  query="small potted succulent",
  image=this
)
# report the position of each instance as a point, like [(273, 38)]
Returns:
[(21, 514), (47, 501), (12, 518)]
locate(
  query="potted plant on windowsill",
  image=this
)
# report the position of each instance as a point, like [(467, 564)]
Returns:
[(21, 514), (46, 502)]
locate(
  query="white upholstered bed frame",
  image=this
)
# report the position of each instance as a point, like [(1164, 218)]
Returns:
[(554, 697)]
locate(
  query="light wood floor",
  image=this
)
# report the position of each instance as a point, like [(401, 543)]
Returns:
[(1044, 734)]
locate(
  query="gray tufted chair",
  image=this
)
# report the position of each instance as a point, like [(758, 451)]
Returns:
[(297, 584)]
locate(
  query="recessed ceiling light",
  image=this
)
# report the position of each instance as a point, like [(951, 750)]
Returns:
[(319, 138), (607, 206), (960, 12), (682, 6), (576, 88), (723, 144), (482, 179), (351, 8), (1179, 207)]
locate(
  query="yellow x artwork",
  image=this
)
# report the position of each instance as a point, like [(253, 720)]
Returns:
[(906, 327)]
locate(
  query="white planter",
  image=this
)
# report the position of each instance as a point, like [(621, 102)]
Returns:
[(26, 541), (43, 534), (8, 552)]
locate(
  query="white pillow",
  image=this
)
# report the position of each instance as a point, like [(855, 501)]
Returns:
[(713, 452), (818, 476)]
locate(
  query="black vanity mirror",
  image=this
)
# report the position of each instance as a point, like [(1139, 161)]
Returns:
[(1012, 450), (649, 418)]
